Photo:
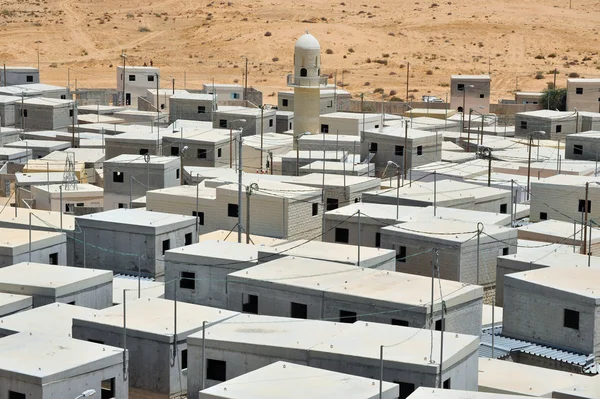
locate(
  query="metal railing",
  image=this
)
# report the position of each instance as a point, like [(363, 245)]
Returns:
[(306, 81)]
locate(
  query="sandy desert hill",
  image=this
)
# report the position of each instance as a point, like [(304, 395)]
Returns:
[(367, 43)]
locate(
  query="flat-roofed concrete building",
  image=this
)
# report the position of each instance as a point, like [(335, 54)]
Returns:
[(372, 258), (158, 353), (39, 366), (132, 241), (248, 342), (528, 97), (271, 144), (7, 108), (330, 98), (330, 142), (437, 393), (387, 144), (556, 124), (314, 289), (278, 210), (510, 378), (450, 194), (287, 164), (555, 306), (583, 94), (14, 155), (201, 270), (470, 91), (205, 147), (53, 319), (562, 197), (14, 303), (583, 146), (349, 123), (19, 75), (341, 225), (224, 92), (540, 257), (457, 245), (31, 90), (44, 114), (39, 148), (257, 120), (137, 81), (284, 121), (339, 168), (556, 231), (338, 190), (198, 201), (136, 142), (127, 177), (283, 379), (46, 247), (81, 195), (192, 106), (49, 283)]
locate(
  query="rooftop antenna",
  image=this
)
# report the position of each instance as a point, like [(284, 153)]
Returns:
[(69, 177)]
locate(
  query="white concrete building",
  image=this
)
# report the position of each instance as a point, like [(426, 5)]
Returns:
[(49, 283), (161, 100), (437, 393), (14, 303), (387, 144), (470, 91), (46, 247), (14, 155), (271, 144), (158, 353), (38, 366), (257, 120), (457, 247), (147, 140), (330, 142), (287, 164), (198, 201), (19, 75), (36, 90), (192, 106), (278, 210), (583, 146), (583, 94), (201, 270), (554, 306), (449, 194), (540, 256), (131, 241), (349, 123), (224, 92), (45, 114), (371, 258), (339, 168), (127, 177), (39, 148), (329, 98), (562, 197), (313, 289), (146, 288), (556, 124), (205, 147), (248, 342), (137, 80), (7, 110), (283, 379), (566, 233), (337, 190), (48, 198)]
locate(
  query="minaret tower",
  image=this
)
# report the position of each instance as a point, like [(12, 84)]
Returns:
[(307, 82)]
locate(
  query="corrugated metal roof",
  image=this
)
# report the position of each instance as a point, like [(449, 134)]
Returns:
[(131, 277), (504, 346)]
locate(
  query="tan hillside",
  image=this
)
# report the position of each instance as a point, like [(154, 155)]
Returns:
[(207, 40)]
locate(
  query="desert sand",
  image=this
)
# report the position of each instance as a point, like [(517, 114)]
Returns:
[(366, 44)]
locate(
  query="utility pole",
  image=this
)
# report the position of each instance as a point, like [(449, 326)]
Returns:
[(585, 221), (124, 56), (249, 192), (262, 131), (73, 122), (405, 152), (240, 189), (407, 78)]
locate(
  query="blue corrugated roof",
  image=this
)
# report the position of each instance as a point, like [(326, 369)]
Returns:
[(504, 346)]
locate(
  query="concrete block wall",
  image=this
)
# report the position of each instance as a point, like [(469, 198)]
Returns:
[(116, 148), (183, 108), (368, 230), (489, 250), (536, 313), (41, 255), (590, 148), (561, 202), (213, 159), (149, 361), (99, 297), (492, 204), (210, 287), (41, 117), (184, 205), (301, 223)]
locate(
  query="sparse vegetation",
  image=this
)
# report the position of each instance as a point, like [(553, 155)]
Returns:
[(394, 98), (267, 33), (368, 60), (53, 65), (540, 57), (378, 90), (539, 75), (367, 84), (553, 98), (393, 92), (385, 55), (275, 59), (144, 29), (573, 75), (329, 51), (552, 55), (350, 50), (429, 72), (130, 15)]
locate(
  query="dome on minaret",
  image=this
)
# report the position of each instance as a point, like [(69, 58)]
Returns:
[(307, 42)]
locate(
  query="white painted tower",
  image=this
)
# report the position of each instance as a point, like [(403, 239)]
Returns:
[(307, 82)]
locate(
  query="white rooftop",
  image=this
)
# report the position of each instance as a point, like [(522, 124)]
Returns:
[(582, 281), (49, 280), (52, 358), (382, 287), (44, 220), (139, 159), (153, 318), (228, 236), (148, 289), (35, 144), (80, 188), (50, 102), (17, 240), (11, 303), (444, 230), (293, 381), (138, 217), (54, 319), (470, 77), (226, 251)]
